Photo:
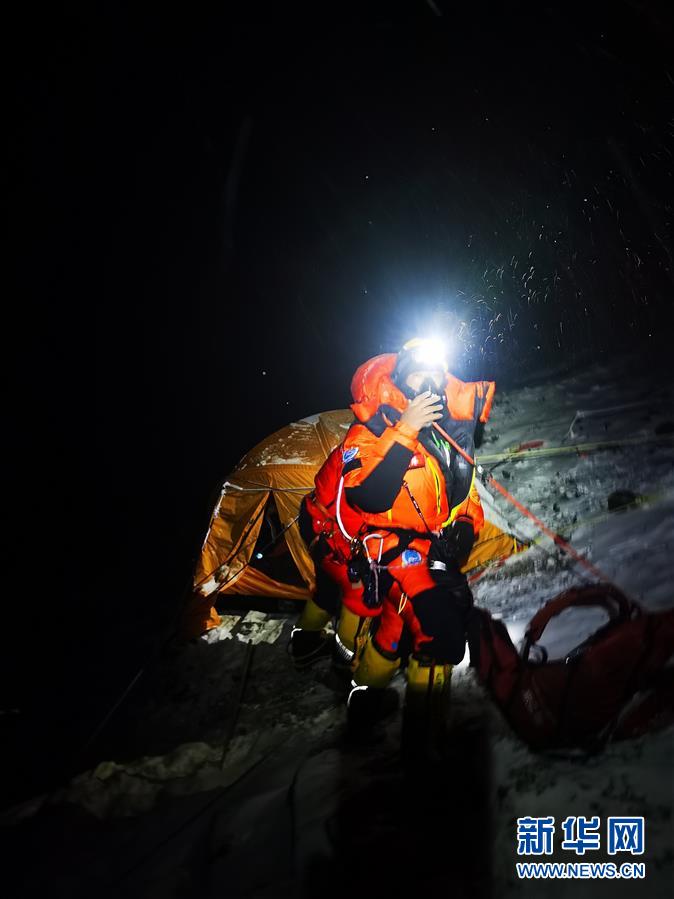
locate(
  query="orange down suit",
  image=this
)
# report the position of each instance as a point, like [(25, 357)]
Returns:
[(329, 547), (414, 484)]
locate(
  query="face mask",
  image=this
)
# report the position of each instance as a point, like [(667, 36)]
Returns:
[(429, 384)]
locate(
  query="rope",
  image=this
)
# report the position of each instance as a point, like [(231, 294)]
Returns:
[(222, 793), (581, 415), (207, 806), (152, 658), (642, 500), (247, 663), (344, 531), (517, 454), (556, 538)]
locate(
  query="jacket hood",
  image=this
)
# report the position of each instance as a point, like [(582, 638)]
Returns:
[(371, 386)]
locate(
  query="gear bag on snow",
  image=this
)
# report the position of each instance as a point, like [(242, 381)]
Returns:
[(617, 683)]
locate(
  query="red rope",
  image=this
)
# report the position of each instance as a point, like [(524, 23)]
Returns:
[(557, 538)]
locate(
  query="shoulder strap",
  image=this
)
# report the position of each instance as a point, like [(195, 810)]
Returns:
[(606, 596)]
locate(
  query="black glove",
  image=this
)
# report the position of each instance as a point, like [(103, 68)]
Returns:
[(320, 549), (445, 611), (358, 567), (377, 587), (457, 540)]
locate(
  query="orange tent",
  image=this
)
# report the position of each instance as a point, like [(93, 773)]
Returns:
[(256, 511)]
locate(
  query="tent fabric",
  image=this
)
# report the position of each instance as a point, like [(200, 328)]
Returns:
[(257, 583), (233, 532), (281, 469), (492, 543)]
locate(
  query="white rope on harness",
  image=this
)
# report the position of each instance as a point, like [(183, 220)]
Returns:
[(381, 544), (375, 567), (339, 516)]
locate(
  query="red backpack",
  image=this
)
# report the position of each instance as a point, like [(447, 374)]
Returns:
[(615, 684)]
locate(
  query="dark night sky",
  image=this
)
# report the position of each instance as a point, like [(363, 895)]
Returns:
[(292, 194)]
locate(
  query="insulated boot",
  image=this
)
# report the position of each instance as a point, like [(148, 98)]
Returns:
[(309, 647), (367, 706), (370, 698), (308, 641), (426, 712)]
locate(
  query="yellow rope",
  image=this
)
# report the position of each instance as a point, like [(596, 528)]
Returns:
[(514, 455)]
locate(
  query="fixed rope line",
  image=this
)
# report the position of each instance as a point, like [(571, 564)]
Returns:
[(100, 727), (642, 500), (582, 414), (153, 656), (537, 453), (556, 538)]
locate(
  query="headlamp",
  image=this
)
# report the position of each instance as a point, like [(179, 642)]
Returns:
[(427, 353)]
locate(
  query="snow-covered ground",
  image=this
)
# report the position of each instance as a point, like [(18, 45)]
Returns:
[(634, 549), (196, 800)]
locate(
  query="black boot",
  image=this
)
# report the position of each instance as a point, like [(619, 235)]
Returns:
[(309, 647), (366, 706)]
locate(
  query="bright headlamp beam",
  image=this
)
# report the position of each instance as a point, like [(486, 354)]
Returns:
[(430, 354)]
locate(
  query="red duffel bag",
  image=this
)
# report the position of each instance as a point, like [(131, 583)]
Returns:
[(617, 683)]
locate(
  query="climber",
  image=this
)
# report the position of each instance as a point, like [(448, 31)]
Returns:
[(417, 498)]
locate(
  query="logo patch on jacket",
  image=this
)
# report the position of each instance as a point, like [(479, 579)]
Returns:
[(411, 557), (349, 454)]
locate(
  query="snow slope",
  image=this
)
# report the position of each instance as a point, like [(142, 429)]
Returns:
[(266, 803), (634, 549)]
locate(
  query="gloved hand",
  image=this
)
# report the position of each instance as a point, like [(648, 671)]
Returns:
[(457, 540), (320, 549), (358, 567), (422, 410)]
